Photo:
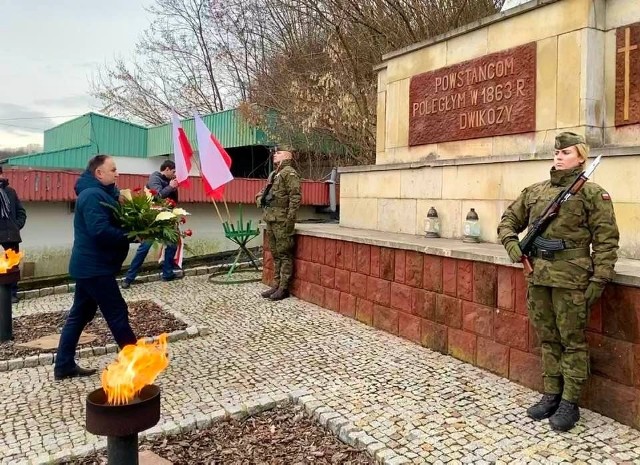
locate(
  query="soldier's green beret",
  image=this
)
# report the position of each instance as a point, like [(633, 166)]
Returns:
[(567, 139)]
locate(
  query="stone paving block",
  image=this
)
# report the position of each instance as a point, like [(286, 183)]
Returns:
[(188, 424), (236, 412), (335, 424), (345, 431), (192, 331), (319, 411), (396, 395), (15, 363), (31, 361), (296, 396), (31, 294), (324, 418), (170, 428), (62, 289), (252, 407), (45, 291)]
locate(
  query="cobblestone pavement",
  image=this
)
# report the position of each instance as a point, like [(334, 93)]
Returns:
[(427, 407)]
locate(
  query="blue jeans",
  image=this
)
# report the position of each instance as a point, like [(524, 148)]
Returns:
[(91, 293), (141, 254)]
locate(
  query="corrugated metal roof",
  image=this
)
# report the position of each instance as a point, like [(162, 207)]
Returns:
[(73, 133), (117, 137), (75, 158), (228, 127), (36, 185)]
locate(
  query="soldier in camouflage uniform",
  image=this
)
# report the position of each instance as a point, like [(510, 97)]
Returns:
[(280, 204), (565, 283)]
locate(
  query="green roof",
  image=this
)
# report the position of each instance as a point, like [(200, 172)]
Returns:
[(228, 127), (73, 143)]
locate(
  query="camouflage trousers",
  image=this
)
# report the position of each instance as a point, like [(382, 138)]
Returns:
[(560, 318), (281, 242)]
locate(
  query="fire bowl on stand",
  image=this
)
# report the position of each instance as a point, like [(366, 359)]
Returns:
[(122, 423), (12, 276)]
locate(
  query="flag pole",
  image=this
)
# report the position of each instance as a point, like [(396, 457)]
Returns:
[(227, 207), (197, 163)]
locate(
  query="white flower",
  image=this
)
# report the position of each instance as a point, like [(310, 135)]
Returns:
[(126, 193), (149, 194), (180, 212), (162, 216)]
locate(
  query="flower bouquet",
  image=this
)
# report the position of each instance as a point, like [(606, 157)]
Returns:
[(147, 217)]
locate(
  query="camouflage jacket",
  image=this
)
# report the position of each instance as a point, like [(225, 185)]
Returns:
[(586, 219), (284, 196)]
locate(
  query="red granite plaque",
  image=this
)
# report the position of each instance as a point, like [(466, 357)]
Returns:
[(490, 96), (628, 75)]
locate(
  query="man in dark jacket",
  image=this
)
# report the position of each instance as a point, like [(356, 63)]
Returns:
[(165, 184), (13, 217), (99, 249)]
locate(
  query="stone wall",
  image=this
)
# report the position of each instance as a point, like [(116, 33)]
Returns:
[(575, 90), (471, 310)]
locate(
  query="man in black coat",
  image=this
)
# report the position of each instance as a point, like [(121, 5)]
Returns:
[(13, 217)]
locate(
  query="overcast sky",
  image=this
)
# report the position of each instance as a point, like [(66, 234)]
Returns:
[(49, 51)]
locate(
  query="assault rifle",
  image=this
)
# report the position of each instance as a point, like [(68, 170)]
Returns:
[(266, 197), (533, 237)]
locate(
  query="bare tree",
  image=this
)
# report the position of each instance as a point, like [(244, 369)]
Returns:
[(303, 70)]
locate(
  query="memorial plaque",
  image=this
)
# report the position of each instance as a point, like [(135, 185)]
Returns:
[(628, 75), (488, 96)]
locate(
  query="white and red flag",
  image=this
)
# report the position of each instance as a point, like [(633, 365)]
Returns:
[(177, 259), (214, 161), (182, 151)]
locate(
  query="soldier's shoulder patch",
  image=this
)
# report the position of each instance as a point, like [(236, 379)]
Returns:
[(606, 196)]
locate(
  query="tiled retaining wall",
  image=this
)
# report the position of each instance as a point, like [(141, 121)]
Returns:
[(471, 310)]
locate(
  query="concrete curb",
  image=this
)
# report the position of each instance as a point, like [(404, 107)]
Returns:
[(143, 278), (329, 419), (191, 331), (170, 428)]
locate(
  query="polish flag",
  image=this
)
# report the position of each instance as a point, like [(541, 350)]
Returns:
[(179, 254), (182, 151), (214, 161)]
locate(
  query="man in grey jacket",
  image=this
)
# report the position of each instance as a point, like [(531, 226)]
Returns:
[(164, 185)]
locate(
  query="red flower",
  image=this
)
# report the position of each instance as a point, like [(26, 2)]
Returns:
[(171, 202), (153, 191), (183, 220), (137, 189), (188, 232)]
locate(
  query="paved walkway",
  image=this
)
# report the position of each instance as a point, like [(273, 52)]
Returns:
[(427, 407)]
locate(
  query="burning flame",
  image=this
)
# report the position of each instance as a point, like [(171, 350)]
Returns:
[(9, 260), (136, 366)]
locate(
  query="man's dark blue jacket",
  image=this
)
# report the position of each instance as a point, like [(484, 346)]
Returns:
[(100, 246)]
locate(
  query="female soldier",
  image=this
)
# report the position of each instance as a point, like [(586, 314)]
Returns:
[(564, 283)]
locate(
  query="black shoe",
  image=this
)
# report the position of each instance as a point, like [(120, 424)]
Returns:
[(546, 407), (172, 278), (269, 292), (77, 372), (126, 284), (565, 417), (279, 294)]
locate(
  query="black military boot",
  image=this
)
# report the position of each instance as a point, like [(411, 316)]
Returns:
[(565, 417), (279, 294), (545, 407), (266, 294)]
